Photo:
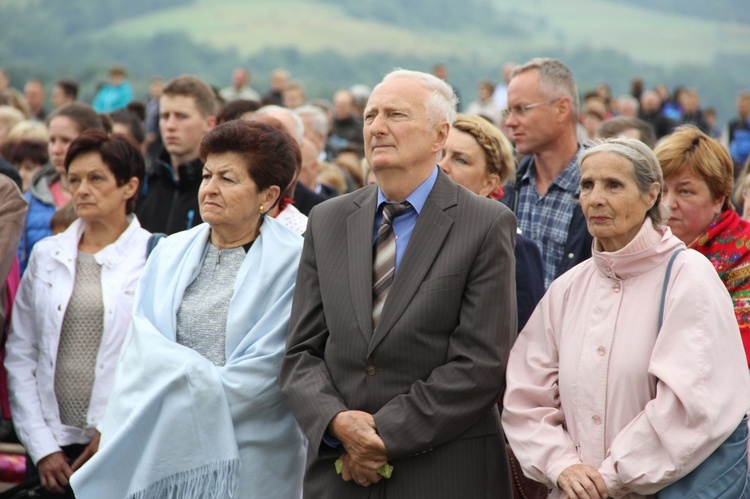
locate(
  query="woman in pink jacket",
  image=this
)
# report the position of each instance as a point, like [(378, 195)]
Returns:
[(600, 402)]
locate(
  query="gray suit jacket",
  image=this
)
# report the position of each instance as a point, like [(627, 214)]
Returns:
[(432, 371)]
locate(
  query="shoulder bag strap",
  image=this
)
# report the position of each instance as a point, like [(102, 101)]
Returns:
[(664, 286), (153, 240)]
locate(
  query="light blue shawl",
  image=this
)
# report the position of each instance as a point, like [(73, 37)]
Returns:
[(178, 426)]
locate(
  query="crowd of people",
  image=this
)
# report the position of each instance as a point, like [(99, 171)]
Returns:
[(223, 293)]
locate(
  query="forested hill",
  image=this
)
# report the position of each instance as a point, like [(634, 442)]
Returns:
[(479, 15), (329, 44), (737, 11), (71, 17)]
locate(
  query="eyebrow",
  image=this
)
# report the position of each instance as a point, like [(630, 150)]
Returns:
[(385, 108), (590, 178), (217, 169), (686, 181)]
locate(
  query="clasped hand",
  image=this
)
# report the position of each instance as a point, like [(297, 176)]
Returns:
[(364, 449), (54, 470), (582, 481)]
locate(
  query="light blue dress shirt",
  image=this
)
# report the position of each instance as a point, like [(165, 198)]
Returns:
[(403, 225)]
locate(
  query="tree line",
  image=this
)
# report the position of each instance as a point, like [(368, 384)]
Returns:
[(65, 49)]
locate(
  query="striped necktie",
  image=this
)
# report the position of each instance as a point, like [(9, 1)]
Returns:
[(384, 261)]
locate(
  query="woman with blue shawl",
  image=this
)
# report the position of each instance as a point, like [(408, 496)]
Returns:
[(196, 410)]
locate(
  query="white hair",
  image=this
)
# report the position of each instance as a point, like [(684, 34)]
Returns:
[(272, 109), (317, 117), (441, 104), (10, 116)]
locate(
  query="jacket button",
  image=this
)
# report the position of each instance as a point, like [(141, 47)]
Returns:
[(371, 370), (617, 287), (601, 351), (596, 420), (59, 307), (571, 256)]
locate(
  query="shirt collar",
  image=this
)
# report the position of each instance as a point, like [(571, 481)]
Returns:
[(568, 180), (418, 197)]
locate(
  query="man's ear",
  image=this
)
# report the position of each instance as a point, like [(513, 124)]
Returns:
[(565, 108), (210, 123), (443, 129)]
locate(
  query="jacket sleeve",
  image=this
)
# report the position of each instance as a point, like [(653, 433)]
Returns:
[(533, 419), (23, 358), (703, 389), (529, 278), (305, 381), (13, 209)]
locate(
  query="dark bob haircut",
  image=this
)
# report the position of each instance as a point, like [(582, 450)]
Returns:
[(119, 152), (270, 155), (28, 150)]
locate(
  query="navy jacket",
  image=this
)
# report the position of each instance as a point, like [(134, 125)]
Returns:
[(165, 205)]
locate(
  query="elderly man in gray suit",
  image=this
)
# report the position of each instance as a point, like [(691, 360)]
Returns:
[(403, 317)]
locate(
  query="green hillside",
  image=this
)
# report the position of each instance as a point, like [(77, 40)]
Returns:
[(329, 44), (649, 36), (308, 25)]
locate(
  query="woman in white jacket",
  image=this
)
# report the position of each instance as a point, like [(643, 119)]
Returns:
[(73, 309)]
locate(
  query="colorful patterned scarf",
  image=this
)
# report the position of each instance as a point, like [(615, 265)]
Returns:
[(726, 242)]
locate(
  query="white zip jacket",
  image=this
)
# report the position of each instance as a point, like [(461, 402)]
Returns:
[(34, 337)]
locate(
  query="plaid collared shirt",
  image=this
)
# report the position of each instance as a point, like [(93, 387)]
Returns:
[(546, 219)]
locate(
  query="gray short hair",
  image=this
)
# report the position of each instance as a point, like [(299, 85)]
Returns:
[(555, 78), (317, 116), (442, 102), (646, 168), (298, 125)]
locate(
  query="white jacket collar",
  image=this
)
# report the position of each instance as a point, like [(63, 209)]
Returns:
[(67, 243)]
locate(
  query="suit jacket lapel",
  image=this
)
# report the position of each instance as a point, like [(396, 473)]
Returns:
[(359, 230), (429, 233)]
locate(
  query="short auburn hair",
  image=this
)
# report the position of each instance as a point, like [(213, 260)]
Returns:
[(270, 155), (688, 147)]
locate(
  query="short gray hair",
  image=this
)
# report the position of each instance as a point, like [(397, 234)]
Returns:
[(317, 116), (298, 125), (442, 102), (646, 168), (555, 78)]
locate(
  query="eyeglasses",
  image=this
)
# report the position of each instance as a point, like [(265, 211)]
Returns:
[(520, 111)]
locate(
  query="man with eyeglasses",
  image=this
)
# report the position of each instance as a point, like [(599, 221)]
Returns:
[(542, 117)]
